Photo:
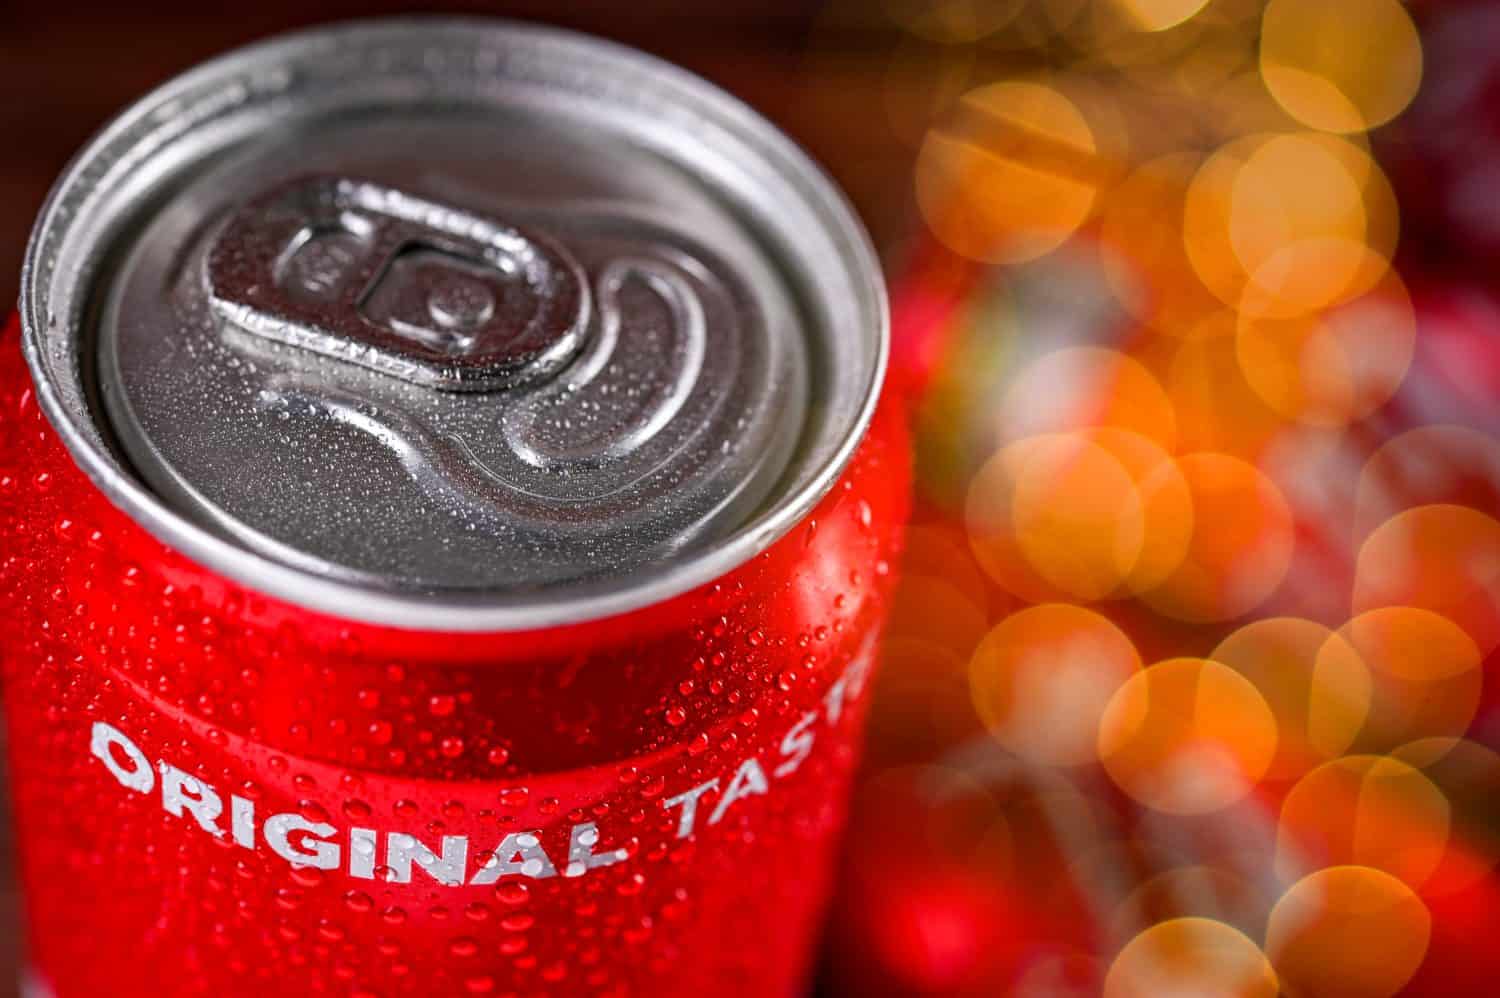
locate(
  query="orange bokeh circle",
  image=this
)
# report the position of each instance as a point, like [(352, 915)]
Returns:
[(1439, 557), (1042, 677), (1008, 177), (1314, 682), (1079, 388), (1426, 675), (1056, 516), (1191, 956), (1187, 736), (1241, 543), (1339, 360), (1365, 810), (1347, 932)]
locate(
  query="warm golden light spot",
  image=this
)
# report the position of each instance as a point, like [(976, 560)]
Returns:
[(1337, 365), (1314, 682), (1158, 15), (1056, 516), (1042, 677), (1426, 674), (1207, 217), (1468, 774), (1382, 215), (1443, 558), (1241, 544), (1191, 956), (1100, 105), (1011, 176), (1166, 504), (1277, 226), (1144, 258), (1292, 189), (1348, 932), (1216, 408), (953, 21), (1313, 274), (1081, 387), (1187, 736), (1116, 32), (1428, 465), (1340, 65), (1079, 520), (1366, 810)]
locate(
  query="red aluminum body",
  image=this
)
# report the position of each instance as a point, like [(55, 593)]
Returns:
[(167, 725)]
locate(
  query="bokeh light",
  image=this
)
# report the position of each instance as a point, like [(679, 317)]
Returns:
[(1191, 956), (1166, 506), (1426, 675), (1364, 810), (1216, 407), (1291, 195), (1438, 557), (1313, 680), (1080, 522), (1429, 465), (1056, 516), (1330, 366), (1187, 736), (1341, 65), (1158, 15), (1468, 776), (1241, 543), (1042, 677), (1145, 257), (1212, 396), (1084, 387), (1347, 932), (1005, 180)]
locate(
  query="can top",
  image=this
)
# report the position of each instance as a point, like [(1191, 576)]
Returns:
[(454, 324)]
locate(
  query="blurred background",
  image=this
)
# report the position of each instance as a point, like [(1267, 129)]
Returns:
[(1186, 691)]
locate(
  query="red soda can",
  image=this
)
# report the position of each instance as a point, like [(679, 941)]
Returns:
[(447, 529)]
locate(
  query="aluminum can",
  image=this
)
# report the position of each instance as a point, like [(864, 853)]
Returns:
[(448, 514)]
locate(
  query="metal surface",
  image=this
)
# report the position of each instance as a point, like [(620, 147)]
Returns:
[(373, 276), (668, 329)]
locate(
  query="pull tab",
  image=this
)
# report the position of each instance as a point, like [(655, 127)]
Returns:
[(371, 275)]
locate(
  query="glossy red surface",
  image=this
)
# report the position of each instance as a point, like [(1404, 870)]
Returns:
[(582, 735)]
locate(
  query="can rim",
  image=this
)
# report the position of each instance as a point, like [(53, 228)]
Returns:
[(453, 611)]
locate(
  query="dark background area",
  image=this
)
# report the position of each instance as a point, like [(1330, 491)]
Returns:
[(814, 68)]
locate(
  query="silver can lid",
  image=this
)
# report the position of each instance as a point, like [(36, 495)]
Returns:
[(454, 324)]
